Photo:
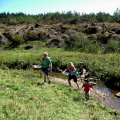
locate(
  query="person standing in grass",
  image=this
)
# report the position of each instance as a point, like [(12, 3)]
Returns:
[(47, 67), (72, 73), (87, 87)]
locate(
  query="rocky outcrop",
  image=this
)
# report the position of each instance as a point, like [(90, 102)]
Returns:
[(59, 34), (3, 39)]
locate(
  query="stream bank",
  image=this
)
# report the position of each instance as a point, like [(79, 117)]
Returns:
[(104, 94)]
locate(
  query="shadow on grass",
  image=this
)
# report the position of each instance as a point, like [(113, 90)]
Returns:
[(76, 99), (39, 84)]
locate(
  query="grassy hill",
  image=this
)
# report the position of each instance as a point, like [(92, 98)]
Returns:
[(85, 37)]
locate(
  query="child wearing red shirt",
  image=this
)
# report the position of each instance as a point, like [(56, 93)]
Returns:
[(87, 87)]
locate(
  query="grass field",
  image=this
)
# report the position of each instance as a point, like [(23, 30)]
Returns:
[(24, 97)]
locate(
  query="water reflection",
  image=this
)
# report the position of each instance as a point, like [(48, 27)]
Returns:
[(113, 102)]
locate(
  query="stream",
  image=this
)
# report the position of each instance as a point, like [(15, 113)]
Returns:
[(112, 102)]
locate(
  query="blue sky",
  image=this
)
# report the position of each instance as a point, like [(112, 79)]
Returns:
[(46, 6)]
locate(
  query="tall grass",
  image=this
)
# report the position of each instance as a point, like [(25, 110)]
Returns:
[(104, 66), (77, 42)]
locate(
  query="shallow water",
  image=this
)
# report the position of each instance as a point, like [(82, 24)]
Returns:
[(112, 102)]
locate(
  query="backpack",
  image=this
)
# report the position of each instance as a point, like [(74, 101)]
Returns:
[(75, 73)]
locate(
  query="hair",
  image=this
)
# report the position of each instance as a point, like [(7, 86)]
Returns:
[(87, 80), (71, 64), (45, 53)]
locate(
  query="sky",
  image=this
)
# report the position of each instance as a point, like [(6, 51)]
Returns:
[(46, 6)]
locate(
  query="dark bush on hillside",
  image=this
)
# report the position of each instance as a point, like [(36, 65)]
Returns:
[(16, 40), (8, 35), (74, 21), (90, 30), (111, 80), (30, 36), (118, 31), (55, 42), (43, 36), (103, 38), (28, 47)]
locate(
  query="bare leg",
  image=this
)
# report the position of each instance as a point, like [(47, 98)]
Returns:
[(69, 82), (48, 80), (77, 85), (88, 96), (44, 77)]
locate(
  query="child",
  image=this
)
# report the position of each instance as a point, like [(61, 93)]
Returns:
[(87, 87), (47, 66), (72, 73)]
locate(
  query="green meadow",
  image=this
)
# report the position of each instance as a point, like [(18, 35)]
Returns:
[(24, 97)]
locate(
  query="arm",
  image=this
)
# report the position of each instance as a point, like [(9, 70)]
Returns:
[(42, 64), (66, 69), (83, 85), (51, 67), (42, 61), (74, 70)]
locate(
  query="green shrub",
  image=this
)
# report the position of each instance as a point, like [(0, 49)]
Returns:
[(76, 42), (92, 37), (92, 48), (34, 35), (83, 45), (16, 40), (4, 67), (30, 36), (112, 46)]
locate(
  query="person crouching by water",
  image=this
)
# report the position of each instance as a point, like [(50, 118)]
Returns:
[(87, 87), (47, 67), (72, 73)]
